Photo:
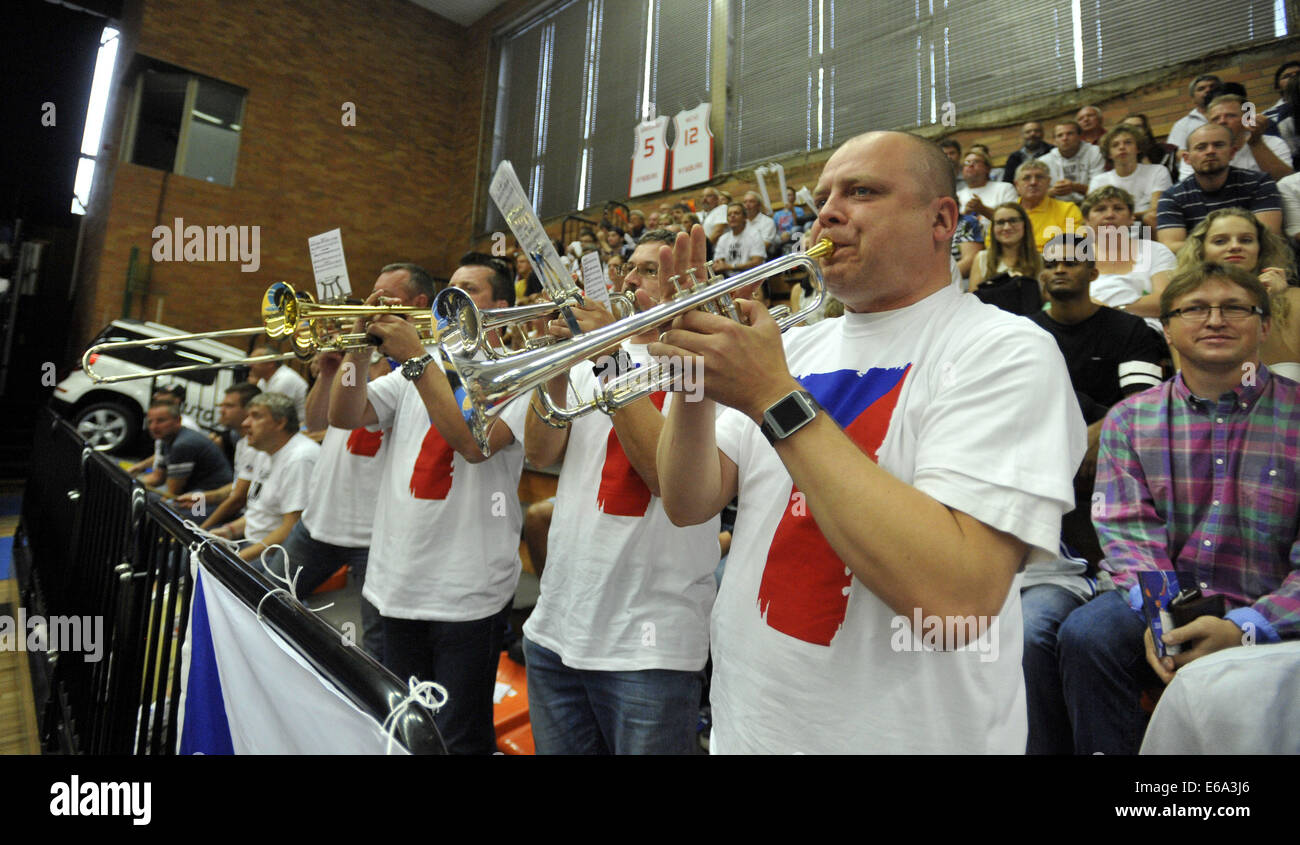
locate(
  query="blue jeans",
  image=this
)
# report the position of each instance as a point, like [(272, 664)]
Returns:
[(462, 657), (1045, 607), (315, 562), (577, 711), (1103, 672)]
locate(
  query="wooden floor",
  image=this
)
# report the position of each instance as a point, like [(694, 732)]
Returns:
[(17, 710)]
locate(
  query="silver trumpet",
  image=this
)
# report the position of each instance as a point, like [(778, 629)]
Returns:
[(464, 326), (490, 384)]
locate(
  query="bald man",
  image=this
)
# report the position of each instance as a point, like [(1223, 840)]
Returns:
[(899, 466)]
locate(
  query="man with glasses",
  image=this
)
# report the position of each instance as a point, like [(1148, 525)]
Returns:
[(1199, 477), (620, 634)]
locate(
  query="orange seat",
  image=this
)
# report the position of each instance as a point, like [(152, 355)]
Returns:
[(337, 581), (510, 710)]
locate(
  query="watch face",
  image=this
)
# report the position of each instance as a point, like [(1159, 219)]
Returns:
[(789, 412)]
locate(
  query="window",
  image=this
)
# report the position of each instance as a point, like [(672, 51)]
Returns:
[(104, 63), (576, 79), (185, 123)]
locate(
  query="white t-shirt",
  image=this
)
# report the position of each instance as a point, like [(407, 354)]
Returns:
[(1245, 157), (1086, 163), (624, 589), (445, 544), (281, 485), (972, 406), (737, 249), (1289, 188), (245, 459), (766, 228), (1116, 289), (286, 380), (1141, 183), (1184, 127), (991, 193), (346, 486)]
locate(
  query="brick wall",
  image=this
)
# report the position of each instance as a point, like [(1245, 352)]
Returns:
[(399, 183)]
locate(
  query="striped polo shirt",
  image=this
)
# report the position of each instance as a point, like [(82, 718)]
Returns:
[(1185, 204)]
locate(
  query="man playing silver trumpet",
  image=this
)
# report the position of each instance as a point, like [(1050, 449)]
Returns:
[(617, 642), (896, 468)]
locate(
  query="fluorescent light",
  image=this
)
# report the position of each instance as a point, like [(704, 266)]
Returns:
[(81, 185), (209, 118), (104, 61)]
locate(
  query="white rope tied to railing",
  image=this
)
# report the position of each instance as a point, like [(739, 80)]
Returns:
[(419, 692)]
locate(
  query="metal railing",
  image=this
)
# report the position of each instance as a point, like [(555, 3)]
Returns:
[(93, 543)]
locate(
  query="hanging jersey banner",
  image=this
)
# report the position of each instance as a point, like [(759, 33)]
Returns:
[(650, 160), (692, 147)]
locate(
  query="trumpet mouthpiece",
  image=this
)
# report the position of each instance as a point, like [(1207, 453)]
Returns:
[(821, 249)]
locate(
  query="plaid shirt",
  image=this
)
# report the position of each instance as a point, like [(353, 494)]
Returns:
[(1208, 489)]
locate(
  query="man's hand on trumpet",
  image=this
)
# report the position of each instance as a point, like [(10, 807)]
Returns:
[(398, 338), (742, 366)]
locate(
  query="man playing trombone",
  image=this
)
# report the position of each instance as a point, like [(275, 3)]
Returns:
[(617, 642), (896, 468)]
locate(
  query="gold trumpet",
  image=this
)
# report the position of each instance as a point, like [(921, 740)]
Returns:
[(310, 326)]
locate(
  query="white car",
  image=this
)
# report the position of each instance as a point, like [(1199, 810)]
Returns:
[(111, 416)]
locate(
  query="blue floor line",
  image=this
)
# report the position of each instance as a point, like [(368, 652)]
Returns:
[(6, 556)]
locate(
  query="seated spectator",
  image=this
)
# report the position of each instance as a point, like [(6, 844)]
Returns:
[(762, 224), (981, 194), (275, 377), (995, 173), (1131, 271), (1050, 217), (1033, 147), (635, 223), (526, 281), (967, 243), (282, 473), (803, 214), (1110, 355), (1289, 189), (740, 247), (652, 220), (1282, 116), (614, 271), (1090, 125), (1151, 150), (1235, 237), (1199, 91), (952, 149), (1073, 163), (1215, 184), (1171, 498), (175, 393), (1255, 150), (185, 460), (715, 213), (1010, 248), (615, 244), (1143, 182), (229, 499)]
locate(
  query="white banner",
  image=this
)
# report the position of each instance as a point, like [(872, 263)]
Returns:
[(650, 160), (692, 147)]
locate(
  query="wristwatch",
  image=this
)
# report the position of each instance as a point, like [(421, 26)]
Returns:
[(788, 415), (414, 367)]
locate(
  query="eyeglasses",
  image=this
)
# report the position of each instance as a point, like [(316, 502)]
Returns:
[(650, 271), (1201, 313)]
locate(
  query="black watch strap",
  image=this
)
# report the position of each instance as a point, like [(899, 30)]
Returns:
[(788, 415)]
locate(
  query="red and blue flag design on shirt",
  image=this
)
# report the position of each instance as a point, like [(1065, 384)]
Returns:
[(804, 592)]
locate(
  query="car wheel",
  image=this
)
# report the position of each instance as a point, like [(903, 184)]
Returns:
[(108, 426)]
